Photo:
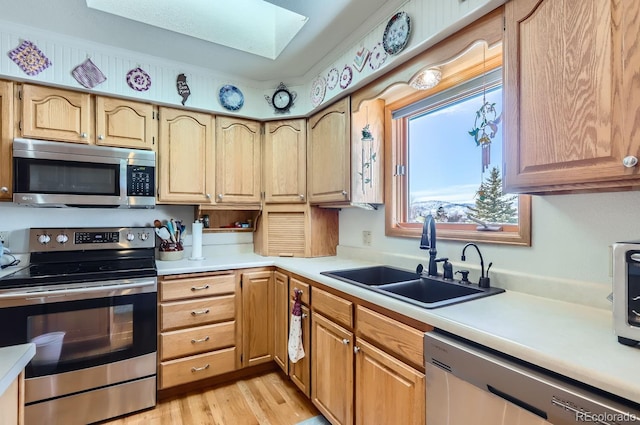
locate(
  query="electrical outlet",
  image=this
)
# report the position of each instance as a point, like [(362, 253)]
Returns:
[(4, 238), (366, 237)]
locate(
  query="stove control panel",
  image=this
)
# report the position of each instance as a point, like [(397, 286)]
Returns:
[(80, 239)]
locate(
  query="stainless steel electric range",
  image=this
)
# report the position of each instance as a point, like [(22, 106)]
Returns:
[(87, 300)]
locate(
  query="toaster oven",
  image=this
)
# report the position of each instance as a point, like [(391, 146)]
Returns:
[(626, 292)]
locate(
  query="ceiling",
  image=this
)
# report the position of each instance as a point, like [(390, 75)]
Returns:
[(330, 24)]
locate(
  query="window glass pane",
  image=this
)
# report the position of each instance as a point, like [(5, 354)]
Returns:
[(445, 166)]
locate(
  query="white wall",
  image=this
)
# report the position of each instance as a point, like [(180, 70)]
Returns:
[(569, 257), (18, 219)]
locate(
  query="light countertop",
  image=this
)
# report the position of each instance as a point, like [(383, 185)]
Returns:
[(13, 359), (570, 339)]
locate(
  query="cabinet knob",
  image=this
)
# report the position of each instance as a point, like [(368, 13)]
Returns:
[(4, 189), (100, 137), (83, 135), (344, 193), (301, 197), (304, 315), (208, 195), (345, 341), (219, 195), (356, 349), (629, 161)]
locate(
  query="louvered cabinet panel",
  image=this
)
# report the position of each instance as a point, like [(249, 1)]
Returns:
[(286, 234)]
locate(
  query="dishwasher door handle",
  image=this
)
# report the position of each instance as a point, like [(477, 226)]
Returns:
[(518, 402)]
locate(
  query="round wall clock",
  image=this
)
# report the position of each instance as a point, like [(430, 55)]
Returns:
[(396, 34), (282, 99)]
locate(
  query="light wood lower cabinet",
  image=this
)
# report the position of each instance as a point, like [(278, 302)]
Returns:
[(366, 370), (281, 320), (300, 371), (199, 331), (257, 317), (12, 403), (6, 140)]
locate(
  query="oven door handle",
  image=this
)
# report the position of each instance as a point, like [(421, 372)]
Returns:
[(16, 298)]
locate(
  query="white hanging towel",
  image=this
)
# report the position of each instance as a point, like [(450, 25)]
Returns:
[(296, 350)]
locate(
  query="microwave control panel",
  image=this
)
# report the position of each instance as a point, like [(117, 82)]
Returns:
[(140, 180)]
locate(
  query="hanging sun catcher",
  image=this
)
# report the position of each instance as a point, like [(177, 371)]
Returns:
[(485, 128)]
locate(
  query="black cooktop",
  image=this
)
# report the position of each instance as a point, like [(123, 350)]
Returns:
[(74, 267)]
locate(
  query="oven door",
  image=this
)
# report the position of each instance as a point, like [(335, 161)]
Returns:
[(74, 333)]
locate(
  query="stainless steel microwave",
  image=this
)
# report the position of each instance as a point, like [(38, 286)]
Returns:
[(57, 174), (626, 292)]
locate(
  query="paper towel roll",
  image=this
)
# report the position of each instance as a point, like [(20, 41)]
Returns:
[(196, 231)]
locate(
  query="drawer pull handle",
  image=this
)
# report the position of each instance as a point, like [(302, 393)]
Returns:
[(199, 288), (197, 313), (345, 341), (197, 341), (198, 369)]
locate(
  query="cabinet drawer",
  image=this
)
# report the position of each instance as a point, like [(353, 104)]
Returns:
[(197, 287), (194, 368), (187, 342), (304, 287), (396, 337), (338, 309), (198, 312)]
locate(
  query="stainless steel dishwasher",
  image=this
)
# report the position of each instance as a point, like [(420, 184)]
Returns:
[(471, 384)]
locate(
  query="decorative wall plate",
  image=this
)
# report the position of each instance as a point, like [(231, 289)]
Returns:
[(361, 58), (346, 77), (332, 78), (396, 34), (318, 88), (378, 56), (138, 80), (231, 97)]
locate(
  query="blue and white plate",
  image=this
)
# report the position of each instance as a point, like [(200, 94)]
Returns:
[(231, 97)]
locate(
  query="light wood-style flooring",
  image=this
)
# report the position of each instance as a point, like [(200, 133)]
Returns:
[(269, 399)]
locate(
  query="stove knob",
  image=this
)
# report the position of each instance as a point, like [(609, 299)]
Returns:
[(62, 238), (144, 236), (44, 239), (130, 237)]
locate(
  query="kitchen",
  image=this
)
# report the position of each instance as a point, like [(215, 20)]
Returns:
[(568, 260)]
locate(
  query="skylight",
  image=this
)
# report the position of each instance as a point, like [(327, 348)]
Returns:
[(253, 26)]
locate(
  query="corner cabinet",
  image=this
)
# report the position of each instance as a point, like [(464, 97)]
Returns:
[(6, 140), (238, 164), (571, 90), (329, 154), (186, 166), (285, 161)]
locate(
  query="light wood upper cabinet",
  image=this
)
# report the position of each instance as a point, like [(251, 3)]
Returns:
[(571, 94), (238, 165), (285, 161), (257, 317), (6, 140), (186, 166), (328, 154), (125, 124), (54, 114)]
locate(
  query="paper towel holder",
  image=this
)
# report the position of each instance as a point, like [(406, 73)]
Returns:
[(196, 235)]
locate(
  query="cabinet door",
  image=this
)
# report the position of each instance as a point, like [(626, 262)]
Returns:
[(571, 94), (257, 317), (238, 164), (54, 114), (329, 160), (186, 157), (387, 390), (281, 320), (125, 124), (332, 371), (300, 371), (6, 140), (285, 161)]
